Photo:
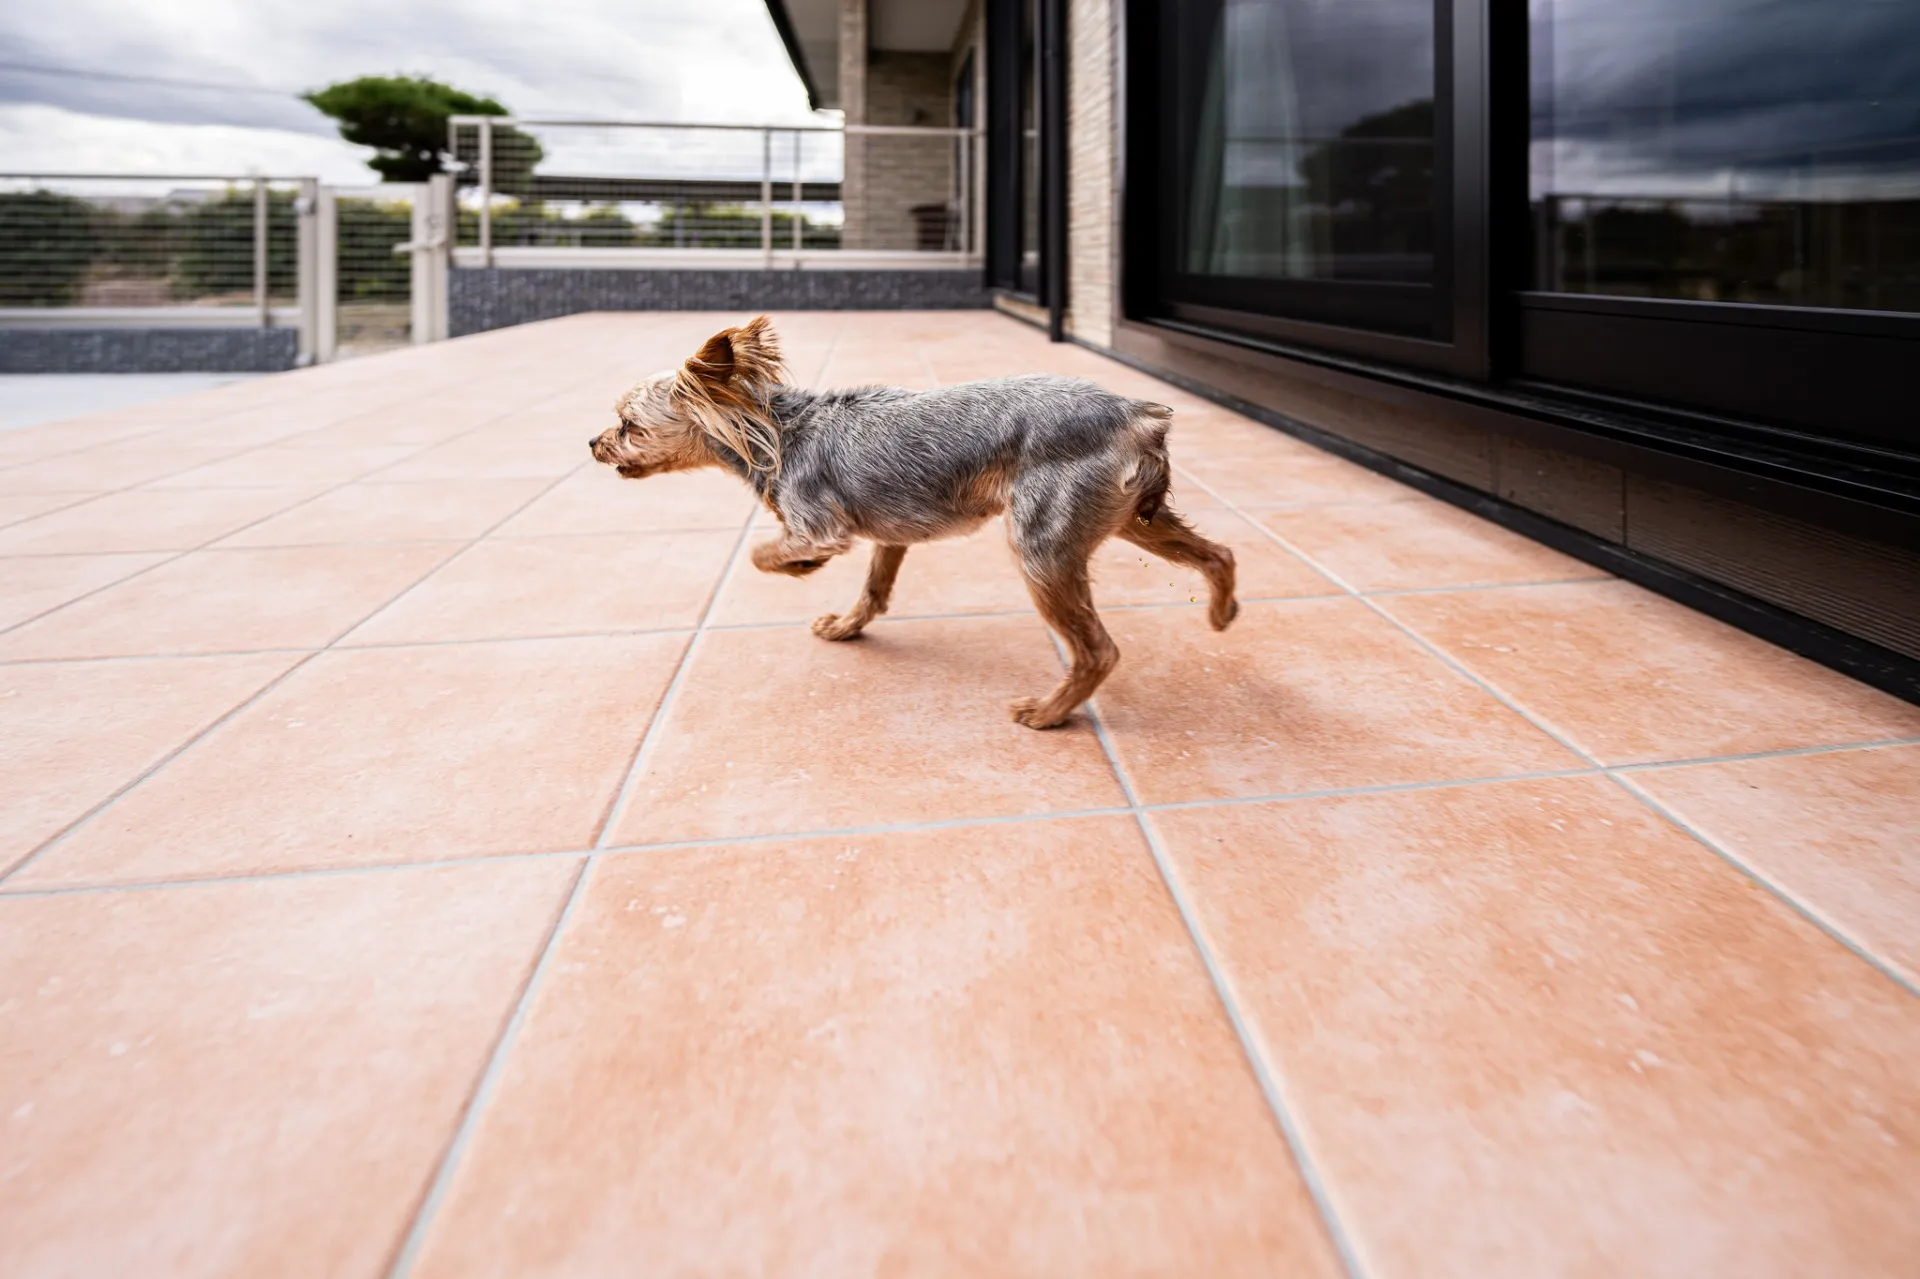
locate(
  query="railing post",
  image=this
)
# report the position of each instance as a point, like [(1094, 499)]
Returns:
[(306, 271), (326, 276), (766, 197), (964, 240), (799, 195), (486, 192), (260, 252), (433, 221)]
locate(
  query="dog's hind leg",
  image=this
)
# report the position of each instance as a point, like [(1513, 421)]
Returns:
[(1170, 537), (881, 571), (1064, 597)]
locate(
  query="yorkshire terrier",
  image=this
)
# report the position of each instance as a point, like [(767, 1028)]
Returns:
[(1069, 464)]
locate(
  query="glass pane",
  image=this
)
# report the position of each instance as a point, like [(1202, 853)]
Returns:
[(1029, 276), (1310, 152), (1762, 151)]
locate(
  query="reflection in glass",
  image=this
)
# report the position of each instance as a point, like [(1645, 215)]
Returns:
[(1029, 277), (1759, 151), (1312, 152)]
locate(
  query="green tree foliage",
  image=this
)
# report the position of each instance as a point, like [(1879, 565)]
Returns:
[(47, 242), (404, 118)]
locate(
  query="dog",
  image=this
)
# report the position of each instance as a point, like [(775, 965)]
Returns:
[(1069, 464)]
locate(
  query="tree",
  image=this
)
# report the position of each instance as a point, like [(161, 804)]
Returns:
[(404, 118)]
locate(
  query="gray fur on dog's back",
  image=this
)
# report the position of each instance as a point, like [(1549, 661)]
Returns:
[(906, 466)]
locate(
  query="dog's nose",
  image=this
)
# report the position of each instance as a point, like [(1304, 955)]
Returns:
[(593, 445)]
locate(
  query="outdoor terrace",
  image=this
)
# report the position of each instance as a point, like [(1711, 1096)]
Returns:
[(427, 854)]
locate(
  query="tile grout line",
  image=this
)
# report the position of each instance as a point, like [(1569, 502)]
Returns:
[(1265, 1077), (1805, 910), (669, 695), (193, 739), (483, 1092), (1791, 900), (611, 850), (430, 1202)]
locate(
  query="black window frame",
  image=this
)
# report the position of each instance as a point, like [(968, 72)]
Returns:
[(1784, 379)]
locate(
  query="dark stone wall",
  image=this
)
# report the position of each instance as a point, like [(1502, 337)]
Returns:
[(479, 299), (150, 350)]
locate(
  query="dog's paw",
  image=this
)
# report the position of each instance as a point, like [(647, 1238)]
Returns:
[(1028, 711), (1220, 616), (834, 627), (800, 568)]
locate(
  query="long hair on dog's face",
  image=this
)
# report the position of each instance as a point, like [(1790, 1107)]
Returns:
[(709, 411)]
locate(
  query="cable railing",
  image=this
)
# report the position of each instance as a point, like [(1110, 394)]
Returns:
[(636, 194), (194, 249)]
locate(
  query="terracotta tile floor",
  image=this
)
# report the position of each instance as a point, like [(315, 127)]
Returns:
[(423, 853)]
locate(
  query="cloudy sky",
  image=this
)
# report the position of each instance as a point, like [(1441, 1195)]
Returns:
[(697, 60)]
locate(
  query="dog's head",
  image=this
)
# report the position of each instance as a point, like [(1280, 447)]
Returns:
[(710, 411)]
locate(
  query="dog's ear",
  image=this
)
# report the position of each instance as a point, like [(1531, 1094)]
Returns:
[(748, 355)]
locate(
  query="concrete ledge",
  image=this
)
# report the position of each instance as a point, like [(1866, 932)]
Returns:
[(146, 350), (480, 299)]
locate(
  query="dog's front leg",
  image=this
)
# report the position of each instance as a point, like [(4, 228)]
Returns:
[(796, 557), (873, 600)]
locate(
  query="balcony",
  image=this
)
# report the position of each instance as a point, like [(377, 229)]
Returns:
[(427, 854)]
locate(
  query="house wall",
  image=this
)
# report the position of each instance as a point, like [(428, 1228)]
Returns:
[(1092, 169), (888, 178)]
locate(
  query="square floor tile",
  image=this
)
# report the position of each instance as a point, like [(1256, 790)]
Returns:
[(449, 510), (283, 464), (146, 520), (1410, 545), (777, 731), (230, 601), (1284, 475), (493, 458), (15, 507), (1840, 832), (389, 755), (1528, 1028), (104, 465), (1630, 677), (249, 1079), (986, 1050), (1299, 696), (72, 733), (600, 501), (30, 585), (582, 585)]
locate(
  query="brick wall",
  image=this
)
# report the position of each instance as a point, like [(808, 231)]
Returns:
[(1092, 138), (898, 174)]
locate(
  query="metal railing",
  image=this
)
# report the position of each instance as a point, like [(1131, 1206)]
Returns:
[(193, 249), (633, 193)]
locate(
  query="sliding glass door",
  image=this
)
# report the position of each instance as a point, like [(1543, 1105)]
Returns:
[(1299, 161), (1725, 208)]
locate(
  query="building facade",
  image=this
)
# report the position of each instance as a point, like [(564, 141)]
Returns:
[(1640, 280)]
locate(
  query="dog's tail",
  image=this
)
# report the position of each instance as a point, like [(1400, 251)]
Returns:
[(1151, 474)]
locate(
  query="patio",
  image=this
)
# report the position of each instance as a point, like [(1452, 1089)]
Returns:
[(426, 854)]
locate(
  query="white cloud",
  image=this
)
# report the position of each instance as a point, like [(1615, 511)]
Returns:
[(40, 139), (688, 60)]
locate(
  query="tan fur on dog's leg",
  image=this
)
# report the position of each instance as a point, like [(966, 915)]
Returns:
[(1065, 601), (792, 557), (881, 571), (1173, 539)]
